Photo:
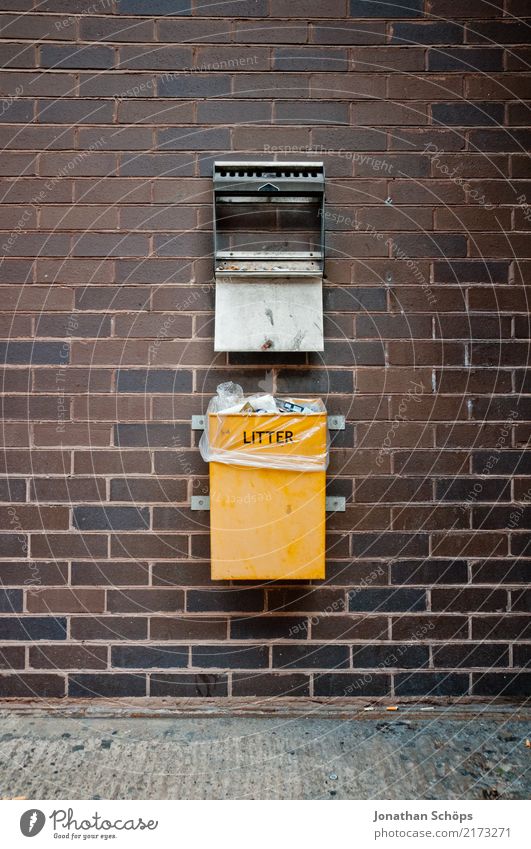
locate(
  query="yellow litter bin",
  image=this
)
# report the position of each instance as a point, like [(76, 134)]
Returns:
[(267, 494)]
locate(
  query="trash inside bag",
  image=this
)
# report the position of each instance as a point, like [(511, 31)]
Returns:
[(264, 431)]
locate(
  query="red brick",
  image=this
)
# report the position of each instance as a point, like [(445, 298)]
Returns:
[(70, 656), (33, 517), (68, 545), (116, 461), (73, 434), (65, 601)]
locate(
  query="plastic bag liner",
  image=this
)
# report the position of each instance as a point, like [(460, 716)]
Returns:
[(287, 441)]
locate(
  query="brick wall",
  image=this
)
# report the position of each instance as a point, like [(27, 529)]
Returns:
[(110, 120)]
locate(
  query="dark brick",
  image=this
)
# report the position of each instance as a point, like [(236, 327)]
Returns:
[(309, 112), (515, 516), (12, 657), (465, 59), (145, 490), (352, 684), (154, 380), (149, 657), (390, 544), (10, 601), (12, 489), (501, 31), (234, 111), (111, 518), (467, 114), (374, 9), (358, 33), (154, 7), (506, 684), (433, 32), (20, 112), (438, 627), (471, 271), (186, 573), (32, 628), (503, 140), (500, 571), (194, 85), (325, 627), (473, 489), (189, 138), (68, 545), (309, 58), (395, 656), (189, 685), (250, 32), (68, 656), (354, 299), (509, 627), (521, 544), (25, 686), (431, 684), (13, 545), (192, 628), (75, 112), (106, 686), (35, 573), (149, 545), (501, 463), (231, 657), (152, 165), (436, 245), (112, 462), (270, 684), (521, 600), (386, 600), (65, 600), (152, 435), (94, 28), (310, 382), (145, 600), (225, 600), (229, 8), (108, 628), (269, 628), (155, 58), (82, 56), (429, 572), (306, 598), (115, 574), (312, 656), (67, 489), (522, 655), (471, 655), (469, 599), (35, 353)]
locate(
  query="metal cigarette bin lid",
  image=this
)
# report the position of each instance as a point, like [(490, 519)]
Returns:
[(269, 249), (269, 178)]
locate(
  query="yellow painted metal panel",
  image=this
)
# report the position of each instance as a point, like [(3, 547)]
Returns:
[(267, 524)]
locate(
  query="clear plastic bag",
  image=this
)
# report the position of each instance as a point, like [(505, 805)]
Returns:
[(246, 435)]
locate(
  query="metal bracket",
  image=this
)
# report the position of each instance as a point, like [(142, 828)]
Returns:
[(198, 422), (200, 502), (336, 504), (334, 422)]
